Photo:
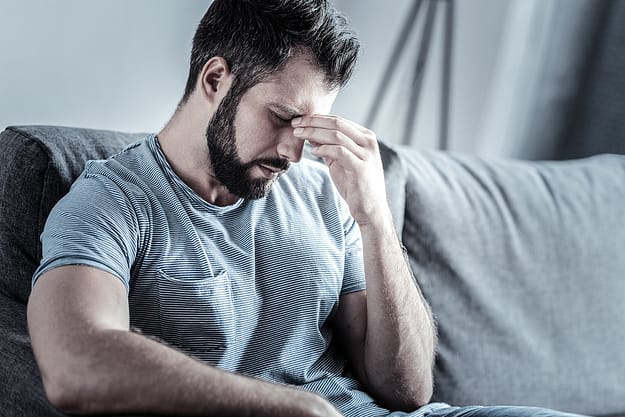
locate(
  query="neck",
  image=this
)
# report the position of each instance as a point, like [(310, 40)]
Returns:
[(183, 142)]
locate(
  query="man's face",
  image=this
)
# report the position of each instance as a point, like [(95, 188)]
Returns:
[(250, 138), (227, 166)]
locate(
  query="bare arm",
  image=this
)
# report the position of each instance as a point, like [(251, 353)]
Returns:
[(91, 363), (388, 331), (389, 328)]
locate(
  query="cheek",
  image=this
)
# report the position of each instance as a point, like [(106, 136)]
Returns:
[(255, 138), (258, 129)]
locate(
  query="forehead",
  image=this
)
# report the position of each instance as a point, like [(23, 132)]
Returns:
[(299, 88)]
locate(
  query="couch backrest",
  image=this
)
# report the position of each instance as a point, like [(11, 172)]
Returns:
[(37, 166), (522, 262), (524, 266)]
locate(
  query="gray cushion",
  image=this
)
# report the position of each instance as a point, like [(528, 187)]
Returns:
[(524, 266), (37, 166), (21, 390), (395, 182)]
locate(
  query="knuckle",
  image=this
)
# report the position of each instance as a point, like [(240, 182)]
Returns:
[(371, 142)]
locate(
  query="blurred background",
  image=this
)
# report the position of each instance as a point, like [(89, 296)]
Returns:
[(533, 79)]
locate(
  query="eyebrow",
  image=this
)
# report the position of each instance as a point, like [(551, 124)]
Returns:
[(288, 111)]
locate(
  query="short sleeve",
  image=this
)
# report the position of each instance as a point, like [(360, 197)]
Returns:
[(93, 225)]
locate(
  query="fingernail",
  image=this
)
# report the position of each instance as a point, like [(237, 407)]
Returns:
[(296, 121), (298, 131)]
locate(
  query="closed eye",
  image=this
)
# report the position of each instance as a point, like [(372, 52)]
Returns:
[(281, 119)]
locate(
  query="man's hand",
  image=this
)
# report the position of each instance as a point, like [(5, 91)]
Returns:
[(351, 153), (387, 330)]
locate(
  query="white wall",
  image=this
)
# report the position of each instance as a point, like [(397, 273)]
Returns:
[(114, 64), (479, 25), (122, 64)]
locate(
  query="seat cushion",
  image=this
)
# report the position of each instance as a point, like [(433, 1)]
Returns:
[(524, 266)]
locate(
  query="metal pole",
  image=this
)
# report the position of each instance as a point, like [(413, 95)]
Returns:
[(391, 66), (446, 80), (419, 70)]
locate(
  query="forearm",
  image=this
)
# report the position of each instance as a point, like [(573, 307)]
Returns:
[(393, 321), (133, 374), (400, 333)]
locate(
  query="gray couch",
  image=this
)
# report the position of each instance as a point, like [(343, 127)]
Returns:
[(522, 262)]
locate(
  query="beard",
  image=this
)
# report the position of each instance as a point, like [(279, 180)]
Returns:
[(227, 166)]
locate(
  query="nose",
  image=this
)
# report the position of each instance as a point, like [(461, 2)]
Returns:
[(289, 146)]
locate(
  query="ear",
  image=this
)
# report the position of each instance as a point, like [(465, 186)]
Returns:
[(215, 78)]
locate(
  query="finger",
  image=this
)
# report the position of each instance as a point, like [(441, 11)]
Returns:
[(336, 153), (349, 128), (359, 127), (319, 136), (359, 134)]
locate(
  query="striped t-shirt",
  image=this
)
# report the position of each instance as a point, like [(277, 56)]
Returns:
[(248, 287)]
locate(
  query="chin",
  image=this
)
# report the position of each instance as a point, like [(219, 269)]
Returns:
[(254, 189)]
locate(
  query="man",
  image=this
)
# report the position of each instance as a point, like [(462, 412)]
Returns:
[(201, 271)]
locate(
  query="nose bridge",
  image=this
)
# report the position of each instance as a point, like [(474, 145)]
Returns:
[(289, 146)]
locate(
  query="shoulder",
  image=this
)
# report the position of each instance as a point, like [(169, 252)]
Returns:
[(126, 164), (129, 172), (113, 187)]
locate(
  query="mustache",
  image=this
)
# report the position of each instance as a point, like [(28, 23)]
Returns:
[(278, 163)]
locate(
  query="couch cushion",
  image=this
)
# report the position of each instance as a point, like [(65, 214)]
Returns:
[(21, 388), (395, 182), (37, 166), (524, 266)]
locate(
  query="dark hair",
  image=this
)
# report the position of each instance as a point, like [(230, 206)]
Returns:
[(257, 37)]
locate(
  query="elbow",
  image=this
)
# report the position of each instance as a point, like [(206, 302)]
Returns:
[(411, 400), (420, 392), (406, 389), (70, 393), (408, 396), (423, 395), (63, 396), (79, 383)]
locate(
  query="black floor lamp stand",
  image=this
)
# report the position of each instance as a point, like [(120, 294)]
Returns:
[(414, 92)]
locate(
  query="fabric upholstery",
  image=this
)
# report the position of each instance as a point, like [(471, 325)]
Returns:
[(37, 166), (522, 262), (524, 266), (395, 182)]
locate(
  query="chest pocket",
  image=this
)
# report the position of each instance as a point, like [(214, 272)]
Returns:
[(196, 315)]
